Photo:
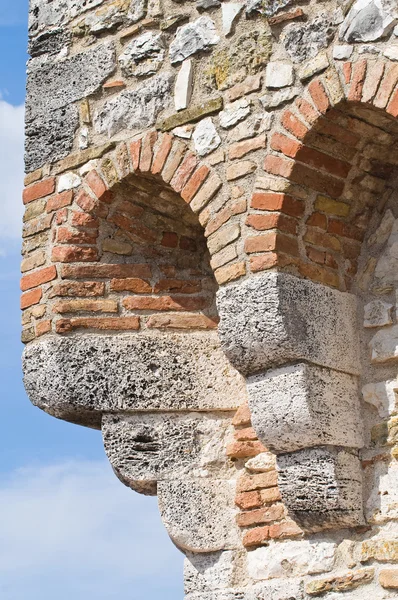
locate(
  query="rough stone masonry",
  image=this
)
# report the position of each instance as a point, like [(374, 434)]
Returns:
[(210, 275)]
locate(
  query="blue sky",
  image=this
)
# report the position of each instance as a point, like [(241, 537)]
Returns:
[(68, 527)]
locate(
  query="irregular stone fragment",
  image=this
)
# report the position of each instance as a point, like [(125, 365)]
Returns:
[(267, 8), (262, 463), (304, 40), (143, 56), (342, 52), (68, 181), (184, 85), (49, 42), (192, 38), (234, 112), (301, 405), (199, 514), (205, 137), (389, 578), (189, 115), (340, 583), (382, 395), (78, 378), (107, 17), (382, 502), (366, 22), (384, 345), (273, 100), (254, 125), (322, 488), (137, 10), (230, 13), (134, 109), (278, 74), (202, 5), (291, 559), (313, 66), (276, 318), (382, 550), (377, 314), (209, 572)]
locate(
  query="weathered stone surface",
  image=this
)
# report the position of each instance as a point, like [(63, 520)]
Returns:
[(366, 21), (192, 38), (208, 572), (134, 109), (382, 395), (382, 550), (79, 377), (46, 14), (384, 345), (382, 502), (277, 98), (49, 42), (184, 85), (145, 448), (304, 40), (377, 314), (322, 488), (314, 65), (230, 13), (262, 463), (276, 318), (300, 406), (205, 137), (340, 583), (387, 265), (194, 113), (389, 578), (199, 515), (268, 8), (234, 113), (291, 559), (279, 74), (143, 56)]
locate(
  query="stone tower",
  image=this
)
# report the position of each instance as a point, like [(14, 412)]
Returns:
[(209, 277)]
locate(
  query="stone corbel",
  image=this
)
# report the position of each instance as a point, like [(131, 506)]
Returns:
[(296, 343)]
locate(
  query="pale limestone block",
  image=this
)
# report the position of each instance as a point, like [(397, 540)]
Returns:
[(262, 463), (277, 98), (230, 13), (382, 503), (391, 52), (234, 112), (342, 52), (184, 132), (199, 515), (383, 396), (290, 559), (314, 65), (184, 85), (68, 181), (279, 74), (209, 572), (192, 38), (377, 314), (381, 235), (384, 345), (205, 137), (301, 405)]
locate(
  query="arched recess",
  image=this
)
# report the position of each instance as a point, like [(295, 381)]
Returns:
[(132, 347), (330, 172)]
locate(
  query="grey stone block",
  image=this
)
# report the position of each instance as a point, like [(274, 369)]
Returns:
[(304, 40), (78, 378), (300, 406), (322, 488), (135, 109), (213, 571), (145, 448), (199, 515), (278, 318), (49, 42)]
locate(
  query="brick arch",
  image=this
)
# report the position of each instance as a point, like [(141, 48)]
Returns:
[(160, 166), (329, 165)]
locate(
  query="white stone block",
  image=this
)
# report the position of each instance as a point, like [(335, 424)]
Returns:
[(230, 13), (383, 396), (384, 345), (391, 52), (377, 314), (262, 463), (314, 65), (68, 181), (184, 85), (342, 52), (234, 112), (279, 74), (205, 137)]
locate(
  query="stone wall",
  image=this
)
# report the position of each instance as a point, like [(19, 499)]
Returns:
[(210, 273)]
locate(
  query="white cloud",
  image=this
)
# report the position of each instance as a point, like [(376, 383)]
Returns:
[(11, 170), (73, 530)]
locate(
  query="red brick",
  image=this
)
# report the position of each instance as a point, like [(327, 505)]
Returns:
[(186, 321), (38, 278), (194, 183), (169, 239), (108, 324), (278, 166), (286, 16), (80, 219), (264, 262), (272, 221), (96, 183), (307, 110), (183, 172), (135, 150), (322, 161), (277, 201), (246, 434), (178, 286), (148, 143), (326, 127), (131, 284), (319, 274), (59, 201), (67, 236), (256, 537), (187, 243), (130, 209), (240, 149), (30, 298), (162, 153), (261, 515), (357, 81), (245, 449), (230, 272), (43, 327), (85, 305), (324, 240), (270, 495), (242, 416), (347, 70), (392, 107), (248, 500), (168, 303), (317, 256), (86, 202), (318, 220), (247, 483), (345, 230), (284, 144), (287, 529), (387, 86), (272, 241), (39, 190), (224, 215), (294, 125), (374, 73), (65, 254), (61, 216), (320, 182), (319, 96), (135, 227), (79, 289), (106, 271), (252, 83)]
